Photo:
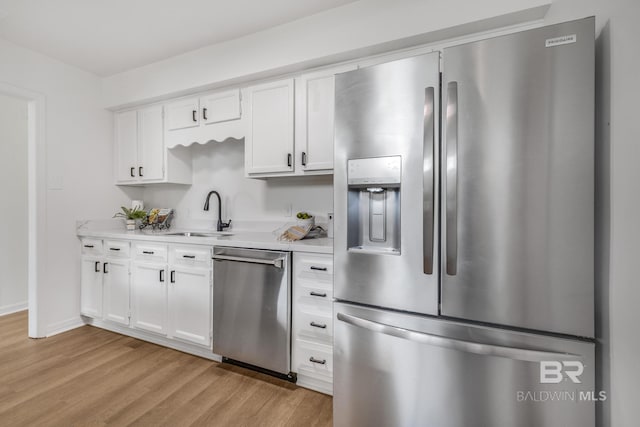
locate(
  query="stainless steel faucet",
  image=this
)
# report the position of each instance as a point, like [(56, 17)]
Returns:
[(220, 225)]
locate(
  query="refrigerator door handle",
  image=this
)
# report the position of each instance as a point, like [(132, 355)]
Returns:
[(515, 353), (428, 180), (451, 151)]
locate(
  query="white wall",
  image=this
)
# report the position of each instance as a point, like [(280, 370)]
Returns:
[(220, 167), (357, 29), (78, 137), (13, 218)]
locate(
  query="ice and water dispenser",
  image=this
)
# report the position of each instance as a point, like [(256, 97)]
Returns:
[(374, 186)]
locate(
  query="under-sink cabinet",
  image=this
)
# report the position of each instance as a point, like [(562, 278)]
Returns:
[(312, 323)]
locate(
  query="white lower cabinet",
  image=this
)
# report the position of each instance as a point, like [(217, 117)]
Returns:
[(190, 294), (149, 302), (104, 289), (116, 283), (189, 305), (91, 287), (312, 340)]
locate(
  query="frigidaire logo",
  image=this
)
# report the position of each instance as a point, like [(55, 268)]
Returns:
[(553, 372)]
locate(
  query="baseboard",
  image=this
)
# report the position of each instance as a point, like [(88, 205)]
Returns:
[(13, 308), (64, 326)]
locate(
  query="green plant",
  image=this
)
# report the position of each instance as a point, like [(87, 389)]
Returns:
[(303, 215), (134, 213)]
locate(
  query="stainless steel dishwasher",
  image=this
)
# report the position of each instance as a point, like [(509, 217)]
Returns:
[(251, 308)]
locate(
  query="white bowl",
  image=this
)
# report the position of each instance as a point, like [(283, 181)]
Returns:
[(309, 222)]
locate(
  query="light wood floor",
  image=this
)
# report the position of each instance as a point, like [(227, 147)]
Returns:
[(92, 377)]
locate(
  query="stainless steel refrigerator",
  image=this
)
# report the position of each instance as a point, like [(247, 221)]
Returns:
[(463, 241)]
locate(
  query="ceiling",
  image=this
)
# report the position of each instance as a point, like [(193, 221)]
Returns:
[(106, 37)]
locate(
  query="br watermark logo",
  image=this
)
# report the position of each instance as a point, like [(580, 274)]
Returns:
[(554, 372)]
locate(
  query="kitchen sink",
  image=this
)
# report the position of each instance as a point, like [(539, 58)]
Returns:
[(200, 234)]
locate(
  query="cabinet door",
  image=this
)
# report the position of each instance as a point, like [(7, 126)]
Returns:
[(190, 305), (126, 124), (220, 107), (183, 114), (116, 291), (314, 121), (91, 287), (151, 143), (269, 143), (149, 303)]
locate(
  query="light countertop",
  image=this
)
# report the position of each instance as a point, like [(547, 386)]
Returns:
[(240, 238)]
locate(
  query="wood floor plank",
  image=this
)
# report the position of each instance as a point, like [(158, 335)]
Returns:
[(92, 377)]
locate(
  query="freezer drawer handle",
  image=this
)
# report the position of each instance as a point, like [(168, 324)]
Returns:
[(318, 325), (451, 151), (318, 294), (523, 354), (278, 262), (318, 361)]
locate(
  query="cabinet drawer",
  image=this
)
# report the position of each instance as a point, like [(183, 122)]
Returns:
[(315, 268), (313, 360), (314, 326), (117, 249), (91, 247), (150, 252), (192, 256), (313, 294)]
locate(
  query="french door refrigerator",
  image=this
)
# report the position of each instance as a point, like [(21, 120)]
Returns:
[(464, 242)]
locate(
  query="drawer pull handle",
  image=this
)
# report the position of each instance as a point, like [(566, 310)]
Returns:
[(172, 276), (96, 267), (318, 361), (104, 268), (318, 325), (318, 294), (148, 252), (161, 276), (88, 246), (114, 249), (313, 267), (189, 256)]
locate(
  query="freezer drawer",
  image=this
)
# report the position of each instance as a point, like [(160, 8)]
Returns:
[(398, 369)]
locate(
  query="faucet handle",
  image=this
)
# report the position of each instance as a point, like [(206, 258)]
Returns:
[(224, 225)]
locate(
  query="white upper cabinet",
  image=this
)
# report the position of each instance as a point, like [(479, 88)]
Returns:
[(140, 151), (315, 107), (269, 139), (212, 117), (150, 144), (221, 107), (126, 146), (183, 114), (290, 132)]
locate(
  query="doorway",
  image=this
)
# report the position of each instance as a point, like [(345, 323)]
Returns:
[(33, 214)]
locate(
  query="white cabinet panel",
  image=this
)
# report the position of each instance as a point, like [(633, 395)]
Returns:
[(116, 291), (269, 140), (91, 287), (183, 113), (151, 143), (220, 107), (149, 298), (190, 305), (126, 124)]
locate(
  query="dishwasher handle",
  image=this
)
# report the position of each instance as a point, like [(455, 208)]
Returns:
[(278, 262)]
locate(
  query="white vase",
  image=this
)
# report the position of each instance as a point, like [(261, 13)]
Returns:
[(308, 222), (131, 224)]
